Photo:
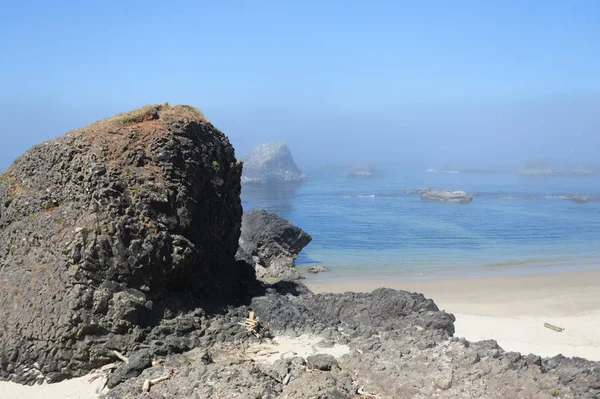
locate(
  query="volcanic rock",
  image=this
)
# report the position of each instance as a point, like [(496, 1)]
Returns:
[(99, 226), (271, 243)]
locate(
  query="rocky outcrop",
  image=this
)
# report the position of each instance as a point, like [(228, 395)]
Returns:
[(100, 226), (271, 244), (429, 194), (582, 199), (362, 172), (317, 269), (400, 346), (271, 163), (543, 169)]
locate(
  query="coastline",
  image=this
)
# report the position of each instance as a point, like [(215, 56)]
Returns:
[(509, 309)]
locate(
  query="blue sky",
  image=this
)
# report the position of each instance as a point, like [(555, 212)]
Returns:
[(429, 81)]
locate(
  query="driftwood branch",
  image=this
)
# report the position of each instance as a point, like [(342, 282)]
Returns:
[(286, 379), (550, 326), (251, 324), (363, 394), (121, 356), (110, 366), (103, 380), (149, 383)]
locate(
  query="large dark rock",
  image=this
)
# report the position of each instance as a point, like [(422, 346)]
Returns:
[(99, 226), (138, 362), (321, 361), (271, 244), (271, 163)]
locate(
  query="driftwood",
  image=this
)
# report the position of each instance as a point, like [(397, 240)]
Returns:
[(550, 326), (361, 392), (110, 366), (103, 380), (121, 356), (286, 379), (149, 383), (251, 324)]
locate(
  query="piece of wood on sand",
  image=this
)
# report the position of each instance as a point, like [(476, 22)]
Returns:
[(550, 326)]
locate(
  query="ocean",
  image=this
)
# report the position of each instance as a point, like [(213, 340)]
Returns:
[(368, 228)]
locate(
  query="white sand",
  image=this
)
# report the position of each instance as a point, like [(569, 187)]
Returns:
[(76, 388), (512, 310), (528, 334), (284, 347)]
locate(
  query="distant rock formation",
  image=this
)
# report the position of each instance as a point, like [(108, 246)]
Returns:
[(271, 244), (361, 172), (97, 226), (543, 169), (429, 194), (582, 199), (418, 191), (271, 163)]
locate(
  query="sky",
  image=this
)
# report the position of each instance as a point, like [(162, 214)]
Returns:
[(468, 83)]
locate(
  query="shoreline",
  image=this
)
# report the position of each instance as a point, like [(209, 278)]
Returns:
[(512, 268), (509, 309)]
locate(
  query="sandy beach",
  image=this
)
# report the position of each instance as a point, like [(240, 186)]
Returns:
[(512, 310)]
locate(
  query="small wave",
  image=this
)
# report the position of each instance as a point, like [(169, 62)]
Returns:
[(525, 262), (359, 196), (441, 171)]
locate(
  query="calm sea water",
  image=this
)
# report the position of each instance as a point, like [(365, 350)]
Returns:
[(368, 227)]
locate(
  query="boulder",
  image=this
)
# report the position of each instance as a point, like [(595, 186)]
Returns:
[(321, 361), (271, 243), (99, 226), (271, 163)]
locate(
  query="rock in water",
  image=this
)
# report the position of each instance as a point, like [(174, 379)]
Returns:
[(271, 244), (430, 194), (317, 269), (97, 226), (271, 163)]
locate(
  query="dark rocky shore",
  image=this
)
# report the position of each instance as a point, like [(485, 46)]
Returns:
[(119, 239)]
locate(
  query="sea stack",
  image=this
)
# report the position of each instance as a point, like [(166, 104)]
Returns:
[(99, 225), (271, 163)]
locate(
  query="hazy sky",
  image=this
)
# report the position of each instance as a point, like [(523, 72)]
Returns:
[(463, 82)]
